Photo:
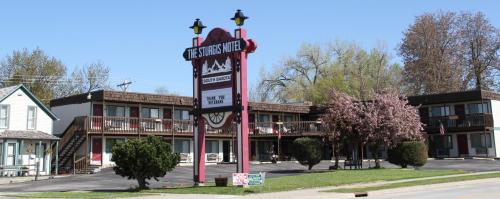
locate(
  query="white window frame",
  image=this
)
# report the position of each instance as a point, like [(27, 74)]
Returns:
[(116, 111), (28, 127), (7, 116), (149, 112)]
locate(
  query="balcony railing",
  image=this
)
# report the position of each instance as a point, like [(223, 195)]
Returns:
[(460, 121), (128, 125), (135, 125), (285, 128)]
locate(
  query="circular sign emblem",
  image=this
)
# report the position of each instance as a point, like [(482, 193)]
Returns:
[(216, 118)]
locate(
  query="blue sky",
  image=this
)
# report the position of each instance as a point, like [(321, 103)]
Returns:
[(143, 41)]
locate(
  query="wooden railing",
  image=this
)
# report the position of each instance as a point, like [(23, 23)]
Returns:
[(285, 128), (169, 126), (75, 127), (81, 164), (461, 121)]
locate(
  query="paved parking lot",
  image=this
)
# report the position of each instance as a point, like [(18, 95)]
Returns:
[(182, 175)]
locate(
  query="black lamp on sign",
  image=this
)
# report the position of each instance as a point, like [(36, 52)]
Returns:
[(239, 18), (197, 27)]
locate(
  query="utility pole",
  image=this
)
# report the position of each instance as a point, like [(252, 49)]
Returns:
[(124, 85)]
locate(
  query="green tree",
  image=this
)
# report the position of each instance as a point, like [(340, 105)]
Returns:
[(408, 153), (344, 66), (36, 70), (143, 159), (307, 151)]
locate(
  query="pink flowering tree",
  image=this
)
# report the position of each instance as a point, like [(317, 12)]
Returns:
[(389, 120), (340, 121)]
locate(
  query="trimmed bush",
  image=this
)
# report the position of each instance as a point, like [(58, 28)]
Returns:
[(307, 151), (143, 159), (408, 153)]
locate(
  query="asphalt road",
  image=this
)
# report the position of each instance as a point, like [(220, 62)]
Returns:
[(107, 180), (479, 189)]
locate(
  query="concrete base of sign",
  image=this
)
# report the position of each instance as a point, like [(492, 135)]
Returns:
[(199, 184)]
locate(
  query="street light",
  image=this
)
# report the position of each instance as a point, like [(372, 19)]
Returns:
[(239, 18), (197, 26)]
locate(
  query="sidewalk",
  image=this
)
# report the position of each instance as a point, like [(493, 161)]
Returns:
[(19, 179)]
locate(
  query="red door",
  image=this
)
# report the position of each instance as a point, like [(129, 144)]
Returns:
[(463, 148), (167, 118), (275, 126), (460, 112), (134, 117), (96, 149), (97, 113)]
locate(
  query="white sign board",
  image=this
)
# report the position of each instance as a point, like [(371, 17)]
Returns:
[(217, 98), (240, 179)]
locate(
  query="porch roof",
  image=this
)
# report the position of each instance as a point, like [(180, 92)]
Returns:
[(27, 135)]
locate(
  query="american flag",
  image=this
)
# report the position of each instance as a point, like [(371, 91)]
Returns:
[(441, 129)]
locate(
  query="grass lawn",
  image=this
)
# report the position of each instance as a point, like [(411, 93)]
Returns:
[(308, 180), (416, 183), (114, 194)]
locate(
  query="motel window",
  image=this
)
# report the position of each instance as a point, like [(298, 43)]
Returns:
[(180, 114), (150, 113), (4, 116), (445, 141), (264, 120), (1, 153), (288, 119), (477, 108), (437, 111), (116, 111), (111, 142), (480, 140), (181, 146), (212, 146), (31, 118)]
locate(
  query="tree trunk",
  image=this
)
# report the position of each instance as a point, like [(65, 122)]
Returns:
[(335, 155), (310, 167), (142, 182), (374, 150)]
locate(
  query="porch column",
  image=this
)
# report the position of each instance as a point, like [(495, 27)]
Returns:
[(49, 168), (38, 159), (57, 158), (19, 157), (102, 150), (4, 152)]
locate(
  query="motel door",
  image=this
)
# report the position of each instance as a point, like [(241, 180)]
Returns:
[(463, 148), (96, 149), (134, 117), (97, 113)]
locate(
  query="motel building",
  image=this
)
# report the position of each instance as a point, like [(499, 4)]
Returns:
[(91, 123)]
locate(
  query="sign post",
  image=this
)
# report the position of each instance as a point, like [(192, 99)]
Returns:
[(219, 90)]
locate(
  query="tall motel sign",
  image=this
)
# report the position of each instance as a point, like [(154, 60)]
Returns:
[(220, 88)]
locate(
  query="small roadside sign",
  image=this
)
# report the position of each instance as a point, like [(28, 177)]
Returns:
[(240, 179), (256, 179), (249, 179)]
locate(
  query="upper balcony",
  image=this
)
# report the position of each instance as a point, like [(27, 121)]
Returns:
[(158, 126), (458, 123)]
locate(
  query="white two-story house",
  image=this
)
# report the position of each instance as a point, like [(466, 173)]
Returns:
[(26, 138)]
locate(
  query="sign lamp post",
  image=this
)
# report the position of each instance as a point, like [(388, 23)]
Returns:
[(220, 88)]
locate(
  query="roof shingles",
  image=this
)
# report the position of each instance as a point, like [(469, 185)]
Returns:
[(26, 134)]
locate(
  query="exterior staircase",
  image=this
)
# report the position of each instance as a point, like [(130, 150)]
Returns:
[(71, 139)]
